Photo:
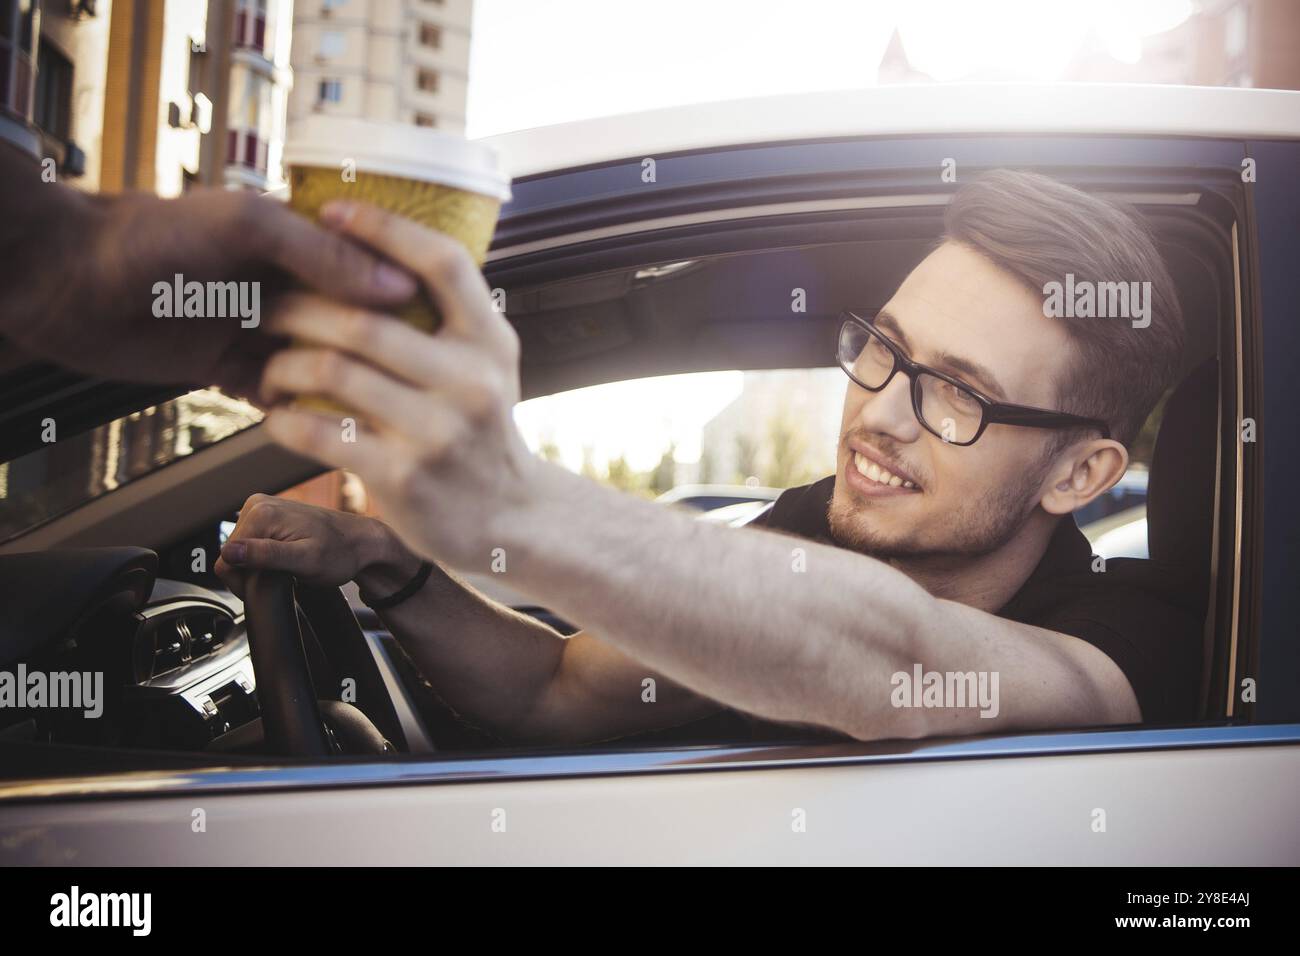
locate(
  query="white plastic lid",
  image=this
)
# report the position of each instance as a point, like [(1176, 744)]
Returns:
[(396, 149)]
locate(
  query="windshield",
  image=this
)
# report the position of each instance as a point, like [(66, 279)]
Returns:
[(774, 428), (75, 469)]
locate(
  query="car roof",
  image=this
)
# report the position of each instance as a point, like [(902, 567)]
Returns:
[(941, 109)]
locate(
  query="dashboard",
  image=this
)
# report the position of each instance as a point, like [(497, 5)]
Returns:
[(192, 677), (169, 661), (96, 650)]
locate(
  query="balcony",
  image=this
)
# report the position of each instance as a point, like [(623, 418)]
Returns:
[(247, 150), (250, 32)]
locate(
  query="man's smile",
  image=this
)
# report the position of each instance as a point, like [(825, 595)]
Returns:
[(871, 473)]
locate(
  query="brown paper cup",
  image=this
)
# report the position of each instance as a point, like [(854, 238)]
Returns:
[(438, 180)]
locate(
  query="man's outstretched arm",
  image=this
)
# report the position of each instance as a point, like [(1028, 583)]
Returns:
[(505, 671), (789, 629), (721, 611)]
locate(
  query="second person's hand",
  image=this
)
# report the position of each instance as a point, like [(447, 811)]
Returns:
[(79, 272)]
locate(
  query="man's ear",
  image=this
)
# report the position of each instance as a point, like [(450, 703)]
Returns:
[(1081, 472)]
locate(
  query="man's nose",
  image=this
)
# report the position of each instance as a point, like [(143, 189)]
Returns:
[(889, 411)]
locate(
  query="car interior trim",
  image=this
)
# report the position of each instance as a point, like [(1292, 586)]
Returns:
[(1240, 476), (785, 209)]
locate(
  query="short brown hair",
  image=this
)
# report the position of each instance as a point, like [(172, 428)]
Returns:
[(1040, 230)]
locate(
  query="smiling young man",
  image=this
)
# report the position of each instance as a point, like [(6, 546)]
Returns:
[(941, 554)]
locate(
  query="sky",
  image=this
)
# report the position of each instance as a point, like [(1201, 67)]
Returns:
[(541, 62)]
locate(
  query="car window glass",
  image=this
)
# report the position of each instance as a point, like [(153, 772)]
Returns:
[(72, 470)]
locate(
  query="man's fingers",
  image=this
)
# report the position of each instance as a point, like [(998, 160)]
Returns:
[(327, 439), (381, 340), (232, 577), (256, 518), (326, 261), (450, 276), (330, 374), (268, 554)]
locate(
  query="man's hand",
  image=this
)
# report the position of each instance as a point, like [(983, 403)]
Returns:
[(317, 545), (78, 272), (435, 439)]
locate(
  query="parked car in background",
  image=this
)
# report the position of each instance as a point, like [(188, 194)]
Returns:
[(1120, 536), (1128, 493), (1116, 522), (710, 497)]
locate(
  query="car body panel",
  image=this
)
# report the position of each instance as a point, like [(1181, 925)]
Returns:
[(974, 108), (1118, 808)]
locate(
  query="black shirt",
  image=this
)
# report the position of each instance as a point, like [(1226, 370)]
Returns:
[(1136, 612)]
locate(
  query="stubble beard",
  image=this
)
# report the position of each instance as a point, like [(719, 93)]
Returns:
[(977, 529)]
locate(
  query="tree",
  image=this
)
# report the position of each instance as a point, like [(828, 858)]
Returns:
[(589, 464), (664, 476), (707, 467), (549, 451), (786, 452), (621, 476), (746, 457)]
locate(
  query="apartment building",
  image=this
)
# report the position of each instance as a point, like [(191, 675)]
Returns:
[(245, 70), (154, 95), (152, 120), (53, 58), (403, 61)]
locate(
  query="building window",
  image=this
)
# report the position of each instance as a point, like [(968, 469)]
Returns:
[(17, 56), (330, 91), (53, 92), (424, 119), (427, 81), (245, 148), (250, 120), (430, 35), (250, 25), (332, 44)]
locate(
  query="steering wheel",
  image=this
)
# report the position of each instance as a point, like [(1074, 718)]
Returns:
[(289, 674)]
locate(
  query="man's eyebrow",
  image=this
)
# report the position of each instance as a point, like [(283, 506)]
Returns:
[(886, 322), (984, 379)]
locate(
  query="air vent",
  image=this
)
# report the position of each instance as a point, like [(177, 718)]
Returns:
[(173, 637)]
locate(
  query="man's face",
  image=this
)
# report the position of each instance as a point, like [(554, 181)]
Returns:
[(960, 314)]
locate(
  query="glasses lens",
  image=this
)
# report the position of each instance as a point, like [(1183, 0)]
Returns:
[(864, 356), (950, 411)]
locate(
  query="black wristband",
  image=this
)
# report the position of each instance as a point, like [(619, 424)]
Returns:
[(402, 593)]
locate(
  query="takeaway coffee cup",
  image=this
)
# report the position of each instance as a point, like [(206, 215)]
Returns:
[(436, 178)]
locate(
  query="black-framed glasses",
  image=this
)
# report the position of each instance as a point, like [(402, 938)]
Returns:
[(945, 406)]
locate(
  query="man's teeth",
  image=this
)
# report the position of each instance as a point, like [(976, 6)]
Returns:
[(869, 469)]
